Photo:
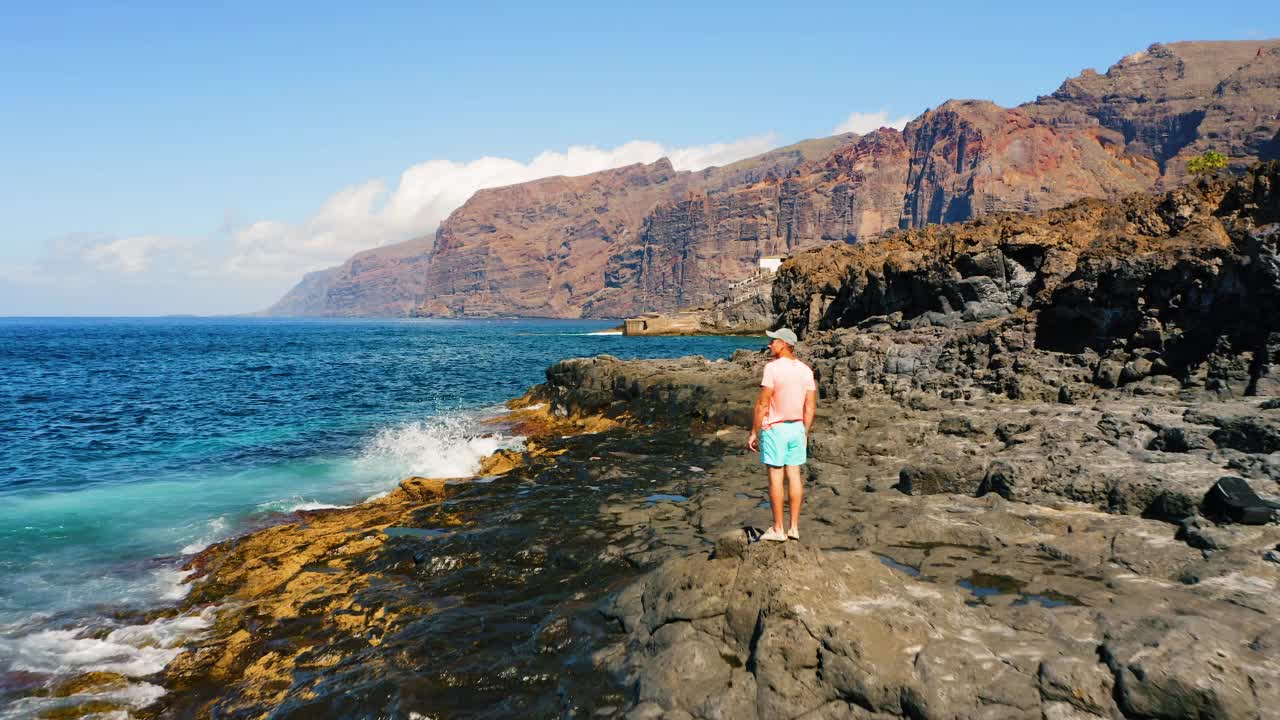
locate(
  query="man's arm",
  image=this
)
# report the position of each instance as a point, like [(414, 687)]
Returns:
[(762, 409), (810, 407)]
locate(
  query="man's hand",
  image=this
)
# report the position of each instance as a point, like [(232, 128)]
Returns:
[(810, 409), (761, 409)]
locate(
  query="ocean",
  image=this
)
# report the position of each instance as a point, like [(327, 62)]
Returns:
[(126, 445)]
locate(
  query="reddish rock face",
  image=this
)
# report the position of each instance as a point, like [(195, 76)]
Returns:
[(646, 238), (1172, 102), (689, 250), (542, 248), (389, 281), (971, 158)]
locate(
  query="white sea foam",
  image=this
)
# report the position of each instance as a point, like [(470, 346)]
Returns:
[(311, 505), (170, 583), (135, 695), (216, 530), (605, 332), (132, 651), (297, 504), (442, 447)]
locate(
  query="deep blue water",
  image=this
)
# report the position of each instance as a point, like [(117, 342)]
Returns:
[(125, 443)]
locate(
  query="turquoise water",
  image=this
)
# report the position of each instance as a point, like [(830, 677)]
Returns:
[(127, 444)]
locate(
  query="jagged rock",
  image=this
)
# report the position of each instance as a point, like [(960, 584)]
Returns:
[(794, 630), (1098, 270), (731, 544), (1180, 440), (1008, 432), (935, 479), (1232, 500), (1248, 433), (892, 606), (953, 425), (1184, 667), (1081, 683), (1003, 478), (1204, 535)]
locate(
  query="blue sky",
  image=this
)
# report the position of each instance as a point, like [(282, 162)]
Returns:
[(177, 158)]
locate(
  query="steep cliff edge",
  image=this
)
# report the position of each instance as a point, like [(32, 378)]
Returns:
[(611, 243), (389, 281), (541, 248), (646, 238), (1171, 102)]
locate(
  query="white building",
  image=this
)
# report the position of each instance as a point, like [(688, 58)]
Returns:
[(771, 262)]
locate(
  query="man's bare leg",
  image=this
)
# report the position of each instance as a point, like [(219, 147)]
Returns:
[(795, 492), (775, 496)]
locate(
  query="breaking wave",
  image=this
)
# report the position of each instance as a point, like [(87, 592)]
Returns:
[(133, 651), (443, 447)]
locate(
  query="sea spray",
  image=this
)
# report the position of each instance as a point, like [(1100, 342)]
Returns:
[(133, 695), (443, 447), (130, 650), (216, 530), (133, 651)]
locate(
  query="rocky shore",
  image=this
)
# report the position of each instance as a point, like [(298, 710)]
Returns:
[(1021, 418), (1006, 517)]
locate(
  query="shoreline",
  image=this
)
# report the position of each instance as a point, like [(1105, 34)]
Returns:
[(999, 560), (175, 624), (880, 501), (420, 510)]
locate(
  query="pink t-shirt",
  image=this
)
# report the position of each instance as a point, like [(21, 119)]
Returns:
[(790, 380)]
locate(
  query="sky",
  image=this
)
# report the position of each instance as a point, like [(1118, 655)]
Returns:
[(198, 158)]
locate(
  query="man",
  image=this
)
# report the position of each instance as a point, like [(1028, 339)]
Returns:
[(783, 415)]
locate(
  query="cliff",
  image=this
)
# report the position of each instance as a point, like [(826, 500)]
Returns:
[(541, 248), (388, 281), (1172, 102), (640, 239)]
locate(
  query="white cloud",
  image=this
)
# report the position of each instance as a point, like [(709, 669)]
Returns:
[(863, 123), (370, 214), (19, 273), (87, 252), (244, 267), (129, 255)]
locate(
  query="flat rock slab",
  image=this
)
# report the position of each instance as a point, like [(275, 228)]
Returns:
[(780, 630)]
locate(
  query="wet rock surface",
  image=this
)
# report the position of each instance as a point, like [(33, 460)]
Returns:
[(449, 598)]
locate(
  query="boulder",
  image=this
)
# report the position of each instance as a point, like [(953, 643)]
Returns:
[(939, 479)]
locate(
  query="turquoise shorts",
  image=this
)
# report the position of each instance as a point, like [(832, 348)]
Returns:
[(783, 444)]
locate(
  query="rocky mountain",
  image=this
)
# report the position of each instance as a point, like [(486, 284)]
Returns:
[(388, 281), (542, 248), (645, 238), (1171, 102)]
